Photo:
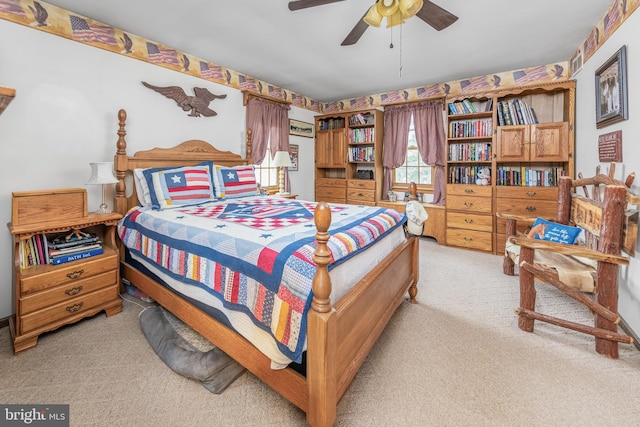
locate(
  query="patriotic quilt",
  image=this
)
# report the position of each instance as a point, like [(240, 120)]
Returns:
[(254, 254)]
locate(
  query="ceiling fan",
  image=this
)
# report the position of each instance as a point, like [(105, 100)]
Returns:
[(396, 11)]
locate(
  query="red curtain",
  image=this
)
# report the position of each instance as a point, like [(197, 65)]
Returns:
[(429, 127), (269, 122)]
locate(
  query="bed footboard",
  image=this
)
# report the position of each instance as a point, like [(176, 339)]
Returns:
[(340, 337)]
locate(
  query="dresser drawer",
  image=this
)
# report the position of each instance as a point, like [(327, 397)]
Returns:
[(331, 194), (331, 182), (528, 208), (361, 196), (69, 273), (529, 193), (469, 203), (65, 309), (367, 184), (469, 221), (66, 292), (469, 239), (469, 190)]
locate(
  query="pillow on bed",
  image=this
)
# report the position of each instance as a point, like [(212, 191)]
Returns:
[(234, 182), (143, 182), (187, 185), (543, 229)]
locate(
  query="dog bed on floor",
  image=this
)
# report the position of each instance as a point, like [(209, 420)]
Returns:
[(187, 352)]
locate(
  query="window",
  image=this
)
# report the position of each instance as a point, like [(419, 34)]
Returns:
[(413, 169), (267, 175)]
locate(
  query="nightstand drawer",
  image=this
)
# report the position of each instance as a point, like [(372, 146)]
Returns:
[(66, 292), (66, 274), (66, 309), (469, 221)]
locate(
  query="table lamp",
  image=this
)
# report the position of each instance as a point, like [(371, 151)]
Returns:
[(281, 160), (102, 174)]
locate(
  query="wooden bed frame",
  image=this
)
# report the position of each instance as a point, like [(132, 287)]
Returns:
[(339, 337)]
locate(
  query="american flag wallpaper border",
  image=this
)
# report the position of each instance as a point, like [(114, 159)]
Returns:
[(58, 21)]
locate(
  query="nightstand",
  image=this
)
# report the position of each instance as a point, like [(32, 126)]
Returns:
[(48, 296)]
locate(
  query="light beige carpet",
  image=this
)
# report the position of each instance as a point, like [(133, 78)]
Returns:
[(455, 359)]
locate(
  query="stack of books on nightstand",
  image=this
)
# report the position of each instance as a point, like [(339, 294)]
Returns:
[(75, 246)]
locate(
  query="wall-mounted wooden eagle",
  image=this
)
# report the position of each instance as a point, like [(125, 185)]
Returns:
[(198, 105)]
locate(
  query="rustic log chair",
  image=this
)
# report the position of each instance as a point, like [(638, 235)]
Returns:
[(609, 228)]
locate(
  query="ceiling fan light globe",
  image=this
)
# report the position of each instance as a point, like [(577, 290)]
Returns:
[(395, 19), (373, 18), (409, 7), (387, 7)]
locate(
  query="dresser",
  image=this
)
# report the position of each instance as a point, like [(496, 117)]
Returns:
[(48, 296)]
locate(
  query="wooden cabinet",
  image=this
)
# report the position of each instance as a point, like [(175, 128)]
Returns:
[(544, 142), (348, 162), (330, 148), (524, 137), (49, 296)]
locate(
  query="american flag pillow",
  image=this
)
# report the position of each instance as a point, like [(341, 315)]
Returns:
[(234, 182), (187, 185)]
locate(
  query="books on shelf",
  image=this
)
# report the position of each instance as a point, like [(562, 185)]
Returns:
[(361, 119), (38, 250), (470, 128), (464, 174), (362, 135), (361, 154), (528, 177), (515, 112), (74, 256), (470, 152)]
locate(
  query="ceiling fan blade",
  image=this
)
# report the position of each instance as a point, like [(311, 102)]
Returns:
[(357, 32), (303, 4), (436, 16)]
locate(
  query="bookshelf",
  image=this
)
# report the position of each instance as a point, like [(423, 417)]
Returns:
[(349, 157), (49, 295), (470, 129), (524, 136)]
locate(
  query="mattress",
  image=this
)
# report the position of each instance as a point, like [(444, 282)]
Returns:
[(252, 259)]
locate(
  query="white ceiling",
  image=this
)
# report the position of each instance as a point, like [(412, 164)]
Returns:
[(300, 51)]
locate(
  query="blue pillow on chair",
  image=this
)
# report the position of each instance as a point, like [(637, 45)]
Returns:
[(543, 229)]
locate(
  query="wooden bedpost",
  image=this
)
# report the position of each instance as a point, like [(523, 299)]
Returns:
[(321, 337), (120, 165)]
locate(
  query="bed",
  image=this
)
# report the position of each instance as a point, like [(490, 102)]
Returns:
[(339, 332)]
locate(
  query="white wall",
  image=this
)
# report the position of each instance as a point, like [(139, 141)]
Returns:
[(64, 116), (587, 142)]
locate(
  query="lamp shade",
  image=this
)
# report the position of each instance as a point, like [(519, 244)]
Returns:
[(101, 173), (409, 7), (387, 7), (282, 159), (395, 19), (373, 18)]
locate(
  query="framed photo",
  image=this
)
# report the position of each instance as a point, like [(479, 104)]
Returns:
[(293, 154), (296, 127), (611, 90)]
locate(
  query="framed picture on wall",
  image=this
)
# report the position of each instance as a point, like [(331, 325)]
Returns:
[(293, 154), (611, 90), (296, 127)]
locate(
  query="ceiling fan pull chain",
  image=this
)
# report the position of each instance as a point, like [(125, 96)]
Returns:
[(400, 71)]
